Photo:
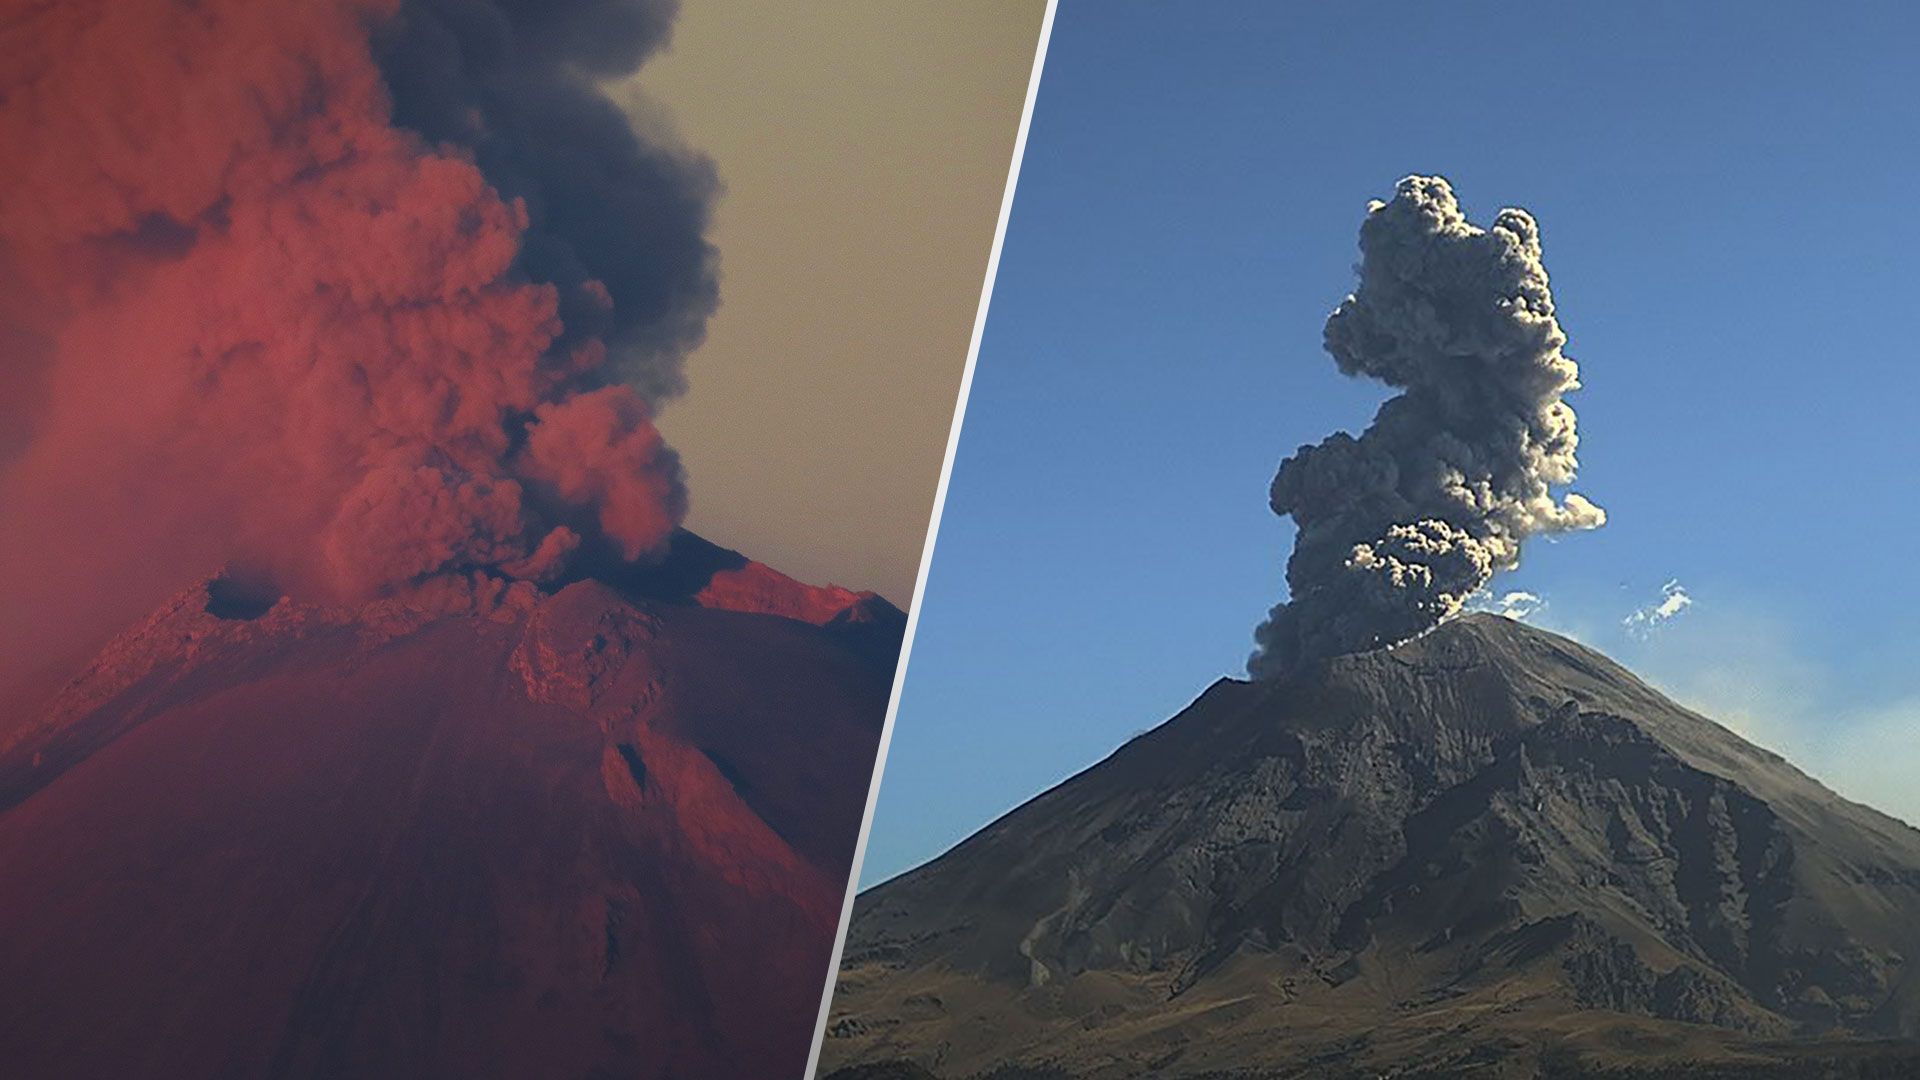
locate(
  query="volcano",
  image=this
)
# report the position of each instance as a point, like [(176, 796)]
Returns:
[(490, 831), (1487, 852)]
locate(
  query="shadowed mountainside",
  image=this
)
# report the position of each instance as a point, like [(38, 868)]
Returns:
[(1489, 852), (597, 832)]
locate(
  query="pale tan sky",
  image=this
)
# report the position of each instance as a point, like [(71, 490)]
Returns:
[(864, 148)]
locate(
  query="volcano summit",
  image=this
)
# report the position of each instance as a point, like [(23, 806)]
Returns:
[(598, 831), (1485, 852)]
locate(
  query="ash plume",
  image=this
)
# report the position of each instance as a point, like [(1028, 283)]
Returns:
[(615, 223), (1398, 527), (351, 293)]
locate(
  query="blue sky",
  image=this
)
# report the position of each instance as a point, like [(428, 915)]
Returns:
[(1727, 200)]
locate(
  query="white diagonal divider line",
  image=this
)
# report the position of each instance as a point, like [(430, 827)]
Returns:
[(933, 532)]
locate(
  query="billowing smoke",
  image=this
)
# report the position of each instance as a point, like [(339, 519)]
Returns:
[(1399, 527), (616, 224), (347, 293)]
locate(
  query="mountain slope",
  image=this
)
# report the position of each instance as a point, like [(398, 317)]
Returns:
[(492, 832), (1483, 850)]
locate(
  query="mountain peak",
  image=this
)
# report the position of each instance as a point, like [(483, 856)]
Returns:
[(1489, 838), (218, 608), (545, 824)]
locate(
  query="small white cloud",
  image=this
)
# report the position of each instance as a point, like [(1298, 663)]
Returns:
[(1517, 604), (1673, 601)]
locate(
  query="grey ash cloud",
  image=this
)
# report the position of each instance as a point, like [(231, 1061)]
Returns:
[(618, 222), (1399, 526)]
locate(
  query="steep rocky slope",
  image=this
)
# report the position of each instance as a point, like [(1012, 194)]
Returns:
[(486, 831), (1485, 852)]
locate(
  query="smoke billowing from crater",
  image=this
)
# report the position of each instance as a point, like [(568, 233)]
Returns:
[(351, 293), (1398, 527)]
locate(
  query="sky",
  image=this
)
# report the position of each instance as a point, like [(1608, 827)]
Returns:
[(1724, 193), (864, 148)]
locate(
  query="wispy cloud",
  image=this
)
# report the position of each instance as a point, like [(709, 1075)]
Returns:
[(1762, 673), (1516, 604), (1756, 674), (1673, 600)]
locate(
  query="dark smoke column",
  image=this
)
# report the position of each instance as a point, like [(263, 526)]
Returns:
[(617, 223), (360, 298), (1398, 527)]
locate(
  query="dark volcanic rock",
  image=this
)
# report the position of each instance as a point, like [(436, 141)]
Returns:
[(481, 833), (1489, 841)]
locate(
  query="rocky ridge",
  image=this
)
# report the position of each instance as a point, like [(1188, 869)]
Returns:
[(1489, 841), (478, 830)]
